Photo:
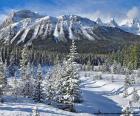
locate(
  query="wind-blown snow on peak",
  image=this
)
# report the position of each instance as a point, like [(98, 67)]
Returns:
[(112, 23), (99, 22), (132, 26), (132, 22), (77, 19)]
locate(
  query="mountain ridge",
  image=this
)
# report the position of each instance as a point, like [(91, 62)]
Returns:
[(26, 28)]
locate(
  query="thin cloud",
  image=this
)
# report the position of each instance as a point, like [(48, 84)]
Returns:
[(133, 13), (2, 17), (92, 9)]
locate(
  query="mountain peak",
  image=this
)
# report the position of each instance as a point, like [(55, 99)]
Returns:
[(21, 14), (133, 22), (16, 16), (112, 23), (99, 22)]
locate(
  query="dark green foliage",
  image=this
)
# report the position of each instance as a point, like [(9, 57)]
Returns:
[(38, 94), (129, 56)]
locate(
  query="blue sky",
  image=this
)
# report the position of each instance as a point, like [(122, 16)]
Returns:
[(105, 9)]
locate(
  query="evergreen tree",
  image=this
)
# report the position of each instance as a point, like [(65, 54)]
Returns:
[(72, 82), (27, 82), (127, 111), (38, 94), (52, 84), (112, 78), (64, 84), (116, 68), (135, 96), (3, 83), (27, 86), (126, 85), (69, 84), (105, 66), (49, 91), (35, 112), (132, 79), (131, 56), (39, 71), (24, 61), (138, 73), (3, 79), (15, 88), (88, 65)]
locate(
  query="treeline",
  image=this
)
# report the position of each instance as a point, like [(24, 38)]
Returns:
[(35, 56), (129, 56)]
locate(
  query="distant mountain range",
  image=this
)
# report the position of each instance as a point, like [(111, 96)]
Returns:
[(130, 25), (25, 27)]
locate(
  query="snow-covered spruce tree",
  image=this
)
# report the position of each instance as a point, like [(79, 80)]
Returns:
[(88, 67), (131, 66), (63, 85), (27, 86), (115, 68), (98, 76), (135, 96), (138, 73), (84, 67), (15, 88), (112, 78), (104, 67), (137, 78), (126, 111), (27, 83), (72, 83), (132, 79), (69, 83), (127, 83), (38, 93), (3, 80), (35, 112), (49, 91), (39, 70), (24, 61), (52, 83)]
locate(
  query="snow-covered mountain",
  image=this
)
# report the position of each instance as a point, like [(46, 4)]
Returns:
[(112, 23), (99, 22), (25, 26), (132, 26)]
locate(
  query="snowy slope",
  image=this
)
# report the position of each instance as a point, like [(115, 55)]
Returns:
[(25, 24), (131, 25), (101, 96), (25, 109)]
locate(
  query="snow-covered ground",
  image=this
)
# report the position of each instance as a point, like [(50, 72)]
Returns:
[(23, 107), (101, 96)]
